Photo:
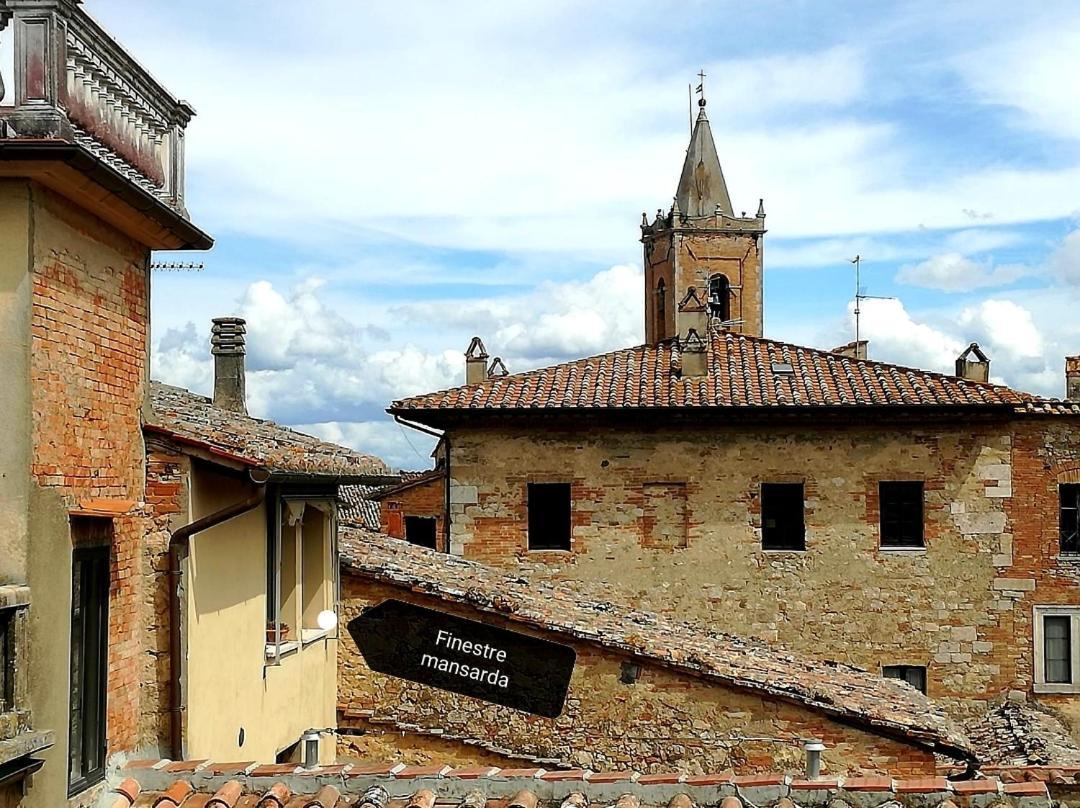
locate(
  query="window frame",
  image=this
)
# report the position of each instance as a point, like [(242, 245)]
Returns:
[(92, 736), (801, 485), (431, 521), (894, 546), (1073, 551), (903, 668), (722, 301), (661, 308), (529, 528), (1039, 614), (7, 660)]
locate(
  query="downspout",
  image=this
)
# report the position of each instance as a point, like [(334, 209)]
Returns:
[(179, 542), (443, 436)]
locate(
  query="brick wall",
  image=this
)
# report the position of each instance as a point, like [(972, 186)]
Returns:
[(961, 606), (425, 499), (665, 721), (88, 363)]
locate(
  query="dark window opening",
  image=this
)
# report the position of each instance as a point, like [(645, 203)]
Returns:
[(901, 506), (1070, 517), (89, 666), (1057, 649), (549, 516), (914, 675), (720, 298), (420, 530), (782, 526), (7, 661), (661, 309)]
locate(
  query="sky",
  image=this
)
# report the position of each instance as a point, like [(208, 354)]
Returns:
[(385, 180)]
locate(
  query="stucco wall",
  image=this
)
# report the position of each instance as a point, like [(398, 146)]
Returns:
[(228, 683), (962, 606), (665, 721)]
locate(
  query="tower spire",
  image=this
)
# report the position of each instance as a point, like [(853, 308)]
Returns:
[(702, 190)]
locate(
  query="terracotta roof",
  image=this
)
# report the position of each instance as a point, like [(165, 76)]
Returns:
[(194, 419), (883, 706), (1023, 734), (744, 372), (389, 785), (357, 507)]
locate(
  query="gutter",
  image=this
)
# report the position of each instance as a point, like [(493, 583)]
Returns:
[(179, 542), (443, 436)]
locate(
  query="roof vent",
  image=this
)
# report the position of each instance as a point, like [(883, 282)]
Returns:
[(782, 367), (973, 364)]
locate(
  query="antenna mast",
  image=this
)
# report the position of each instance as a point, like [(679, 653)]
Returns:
[(859, 296)]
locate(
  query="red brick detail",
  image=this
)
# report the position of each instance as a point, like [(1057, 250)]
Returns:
[(968, 787), (473, 772), (371, 769), (174, 795), (218, 769), (815, 785), (564, 774), (1033, 789), (709, 779), (922, 785), (184, 766), (437, 770), (129, 788), (754, 780), (227, 796), (611, 777), (520, 772), (659, 779), (868, 784), (274, 770), (278, 795)]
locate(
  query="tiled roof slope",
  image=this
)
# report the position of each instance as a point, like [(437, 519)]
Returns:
[(1023, 734), (194, 784), (744, 371), (357, 507), (884, 706), (194, 418)]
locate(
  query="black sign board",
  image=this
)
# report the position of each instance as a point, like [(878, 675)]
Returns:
[(465, 656)]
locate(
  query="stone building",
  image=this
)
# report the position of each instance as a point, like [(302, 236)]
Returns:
[(917, 524), (91, 182)]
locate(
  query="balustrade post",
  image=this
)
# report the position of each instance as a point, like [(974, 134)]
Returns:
[(39, 28)]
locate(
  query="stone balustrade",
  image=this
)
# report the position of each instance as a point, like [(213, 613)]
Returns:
[(73, 82)]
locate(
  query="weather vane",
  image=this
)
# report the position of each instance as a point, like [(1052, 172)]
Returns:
[(690, 96)]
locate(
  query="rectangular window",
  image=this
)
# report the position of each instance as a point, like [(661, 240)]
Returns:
[(420, 530), (1070, 517), (7, 660), (782, 525), (549, 516), (901, 506), (1057, 649), (914, 675), (89, 666)]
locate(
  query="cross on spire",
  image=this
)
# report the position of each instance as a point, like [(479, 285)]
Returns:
[(701, 86)]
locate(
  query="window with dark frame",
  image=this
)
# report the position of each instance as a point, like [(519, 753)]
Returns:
[(420, 530), (549, 516), (914, 675), (1069, 494), (720, 297), (1057, 649), (782, 522), (901, 509), (89, 666)]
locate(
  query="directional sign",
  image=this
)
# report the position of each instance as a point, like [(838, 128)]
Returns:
[(465, 656)]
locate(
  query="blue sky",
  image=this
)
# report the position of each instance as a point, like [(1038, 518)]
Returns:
[(385, 180)]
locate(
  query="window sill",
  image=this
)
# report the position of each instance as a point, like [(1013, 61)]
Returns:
[(307, 637), (902, 550), (282, 650), (559, 550), (783, 550), (1044, 687), (1070, 558), (310, 635)]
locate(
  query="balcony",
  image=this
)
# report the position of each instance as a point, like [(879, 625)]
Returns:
[(72, 83)]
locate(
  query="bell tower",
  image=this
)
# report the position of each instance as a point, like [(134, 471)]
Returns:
[(700, 243)]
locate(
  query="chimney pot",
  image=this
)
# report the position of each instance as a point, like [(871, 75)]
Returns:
[(476, 357), (227, 346), (854, 350), (1072, 378), (975, 369)]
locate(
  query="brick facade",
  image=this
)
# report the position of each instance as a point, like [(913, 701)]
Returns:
[(89, 344), (962, 606), (667, 720), (426, 499)]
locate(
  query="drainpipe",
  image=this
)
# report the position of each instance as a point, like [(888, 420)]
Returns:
[(179, 541), (443, 436)]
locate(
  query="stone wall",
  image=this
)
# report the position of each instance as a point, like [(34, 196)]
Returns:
[(664, 721), (961, 606)]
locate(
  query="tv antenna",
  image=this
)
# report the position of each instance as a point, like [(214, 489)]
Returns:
[(859, 296), (178, 266)]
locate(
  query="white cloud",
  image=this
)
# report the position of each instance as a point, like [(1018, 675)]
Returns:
[(1065, 262), (953, 272)]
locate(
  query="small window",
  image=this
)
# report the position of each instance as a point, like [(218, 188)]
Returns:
[(901, 506), (914, 675), (1070, 517), (720, 298), (549, 516), (782, 526), (1057, 650), (420, 530), (661, 309), (89, 670), (7, 660)]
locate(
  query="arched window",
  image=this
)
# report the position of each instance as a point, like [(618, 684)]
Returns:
[(720, 298), (661, 309)]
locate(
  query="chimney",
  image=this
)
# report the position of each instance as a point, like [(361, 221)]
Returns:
[(694, 355), (497, 369), (974, 370), (227, 346), (476, 357), (854, 350), (1072, 378), (691, 315)]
